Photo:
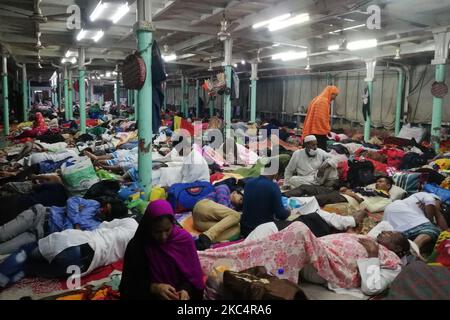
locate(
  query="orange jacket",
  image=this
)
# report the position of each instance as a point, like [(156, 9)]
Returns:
[(318, 115)]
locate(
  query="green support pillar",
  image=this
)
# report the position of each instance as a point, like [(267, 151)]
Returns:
[(117, 89), (437, 110), (254, 79), (145, 40), (82, 105), (197, 83), (398, 105), (66, 94), (182, 96), (253, 102), (82, 89), (5, 97), (24, 93), (70, 96), (227, 109)]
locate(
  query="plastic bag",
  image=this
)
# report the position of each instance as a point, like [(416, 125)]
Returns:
[(78, 175)]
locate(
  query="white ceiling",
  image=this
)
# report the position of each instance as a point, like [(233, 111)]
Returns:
[(190, 27)]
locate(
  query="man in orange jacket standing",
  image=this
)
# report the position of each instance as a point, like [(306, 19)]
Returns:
[(317, 120)]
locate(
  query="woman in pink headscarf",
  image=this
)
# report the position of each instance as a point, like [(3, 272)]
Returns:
[(161, 261)]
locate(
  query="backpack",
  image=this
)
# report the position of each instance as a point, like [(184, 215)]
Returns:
[(360, 173), (184, 196)]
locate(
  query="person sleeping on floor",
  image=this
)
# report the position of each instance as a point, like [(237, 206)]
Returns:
[(341, 261), (38, 221), (52, 256), (374, 198)]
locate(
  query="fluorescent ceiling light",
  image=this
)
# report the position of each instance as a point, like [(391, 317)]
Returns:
[(98, 11), (67, 60), (362, 44), (354, 27), (81, 35), (98, 36), (333, 47), (243, 62), (294, 56), (114, 73), (108, 74), (273, 20), (70, 53), (276, 44), (170, 57), (235, 65), (290, 55), (348, 28), (349, 20), (289, 22), (121, 11)]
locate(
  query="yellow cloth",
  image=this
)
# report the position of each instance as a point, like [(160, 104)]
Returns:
[(444, 164), (158, 193), (176, 123)]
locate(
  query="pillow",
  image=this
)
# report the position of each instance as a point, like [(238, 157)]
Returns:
[(396, 192)]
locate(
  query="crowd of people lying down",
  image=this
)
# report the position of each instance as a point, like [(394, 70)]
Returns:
[(250, 214)]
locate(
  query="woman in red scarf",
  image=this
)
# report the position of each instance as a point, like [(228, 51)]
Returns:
[(161, 261)]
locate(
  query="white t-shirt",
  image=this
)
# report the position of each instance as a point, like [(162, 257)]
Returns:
[(406, 214), (108, 241), (303, 165)]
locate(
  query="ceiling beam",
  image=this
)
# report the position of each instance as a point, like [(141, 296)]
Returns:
[(167, 7), (192, 42)]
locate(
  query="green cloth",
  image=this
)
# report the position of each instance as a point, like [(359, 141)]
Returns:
[(106, 175), (255, 170), (97, 131)]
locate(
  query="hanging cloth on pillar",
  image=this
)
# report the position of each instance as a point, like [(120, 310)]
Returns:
[(158, 76), (366, 103), (234, 85)]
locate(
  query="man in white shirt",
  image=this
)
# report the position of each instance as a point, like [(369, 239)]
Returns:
[(311, 165), (52, 255), (418, 217)]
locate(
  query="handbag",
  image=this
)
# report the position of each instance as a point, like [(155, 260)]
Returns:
[(256, 284)]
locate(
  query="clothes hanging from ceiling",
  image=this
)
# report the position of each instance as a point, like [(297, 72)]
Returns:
[(158, 76), (366, 103)]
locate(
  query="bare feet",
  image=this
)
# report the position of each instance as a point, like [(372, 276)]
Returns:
[(359, 217)]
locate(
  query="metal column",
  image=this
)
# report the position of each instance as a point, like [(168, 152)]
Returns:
[(66, 94), (144, 30), (254, 80), (5, 96), (182, 96), (70, 96), (398, 106), (82, 89), (442, 40), (25, 92), (117, 88), (197, 82), (228, 46)]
